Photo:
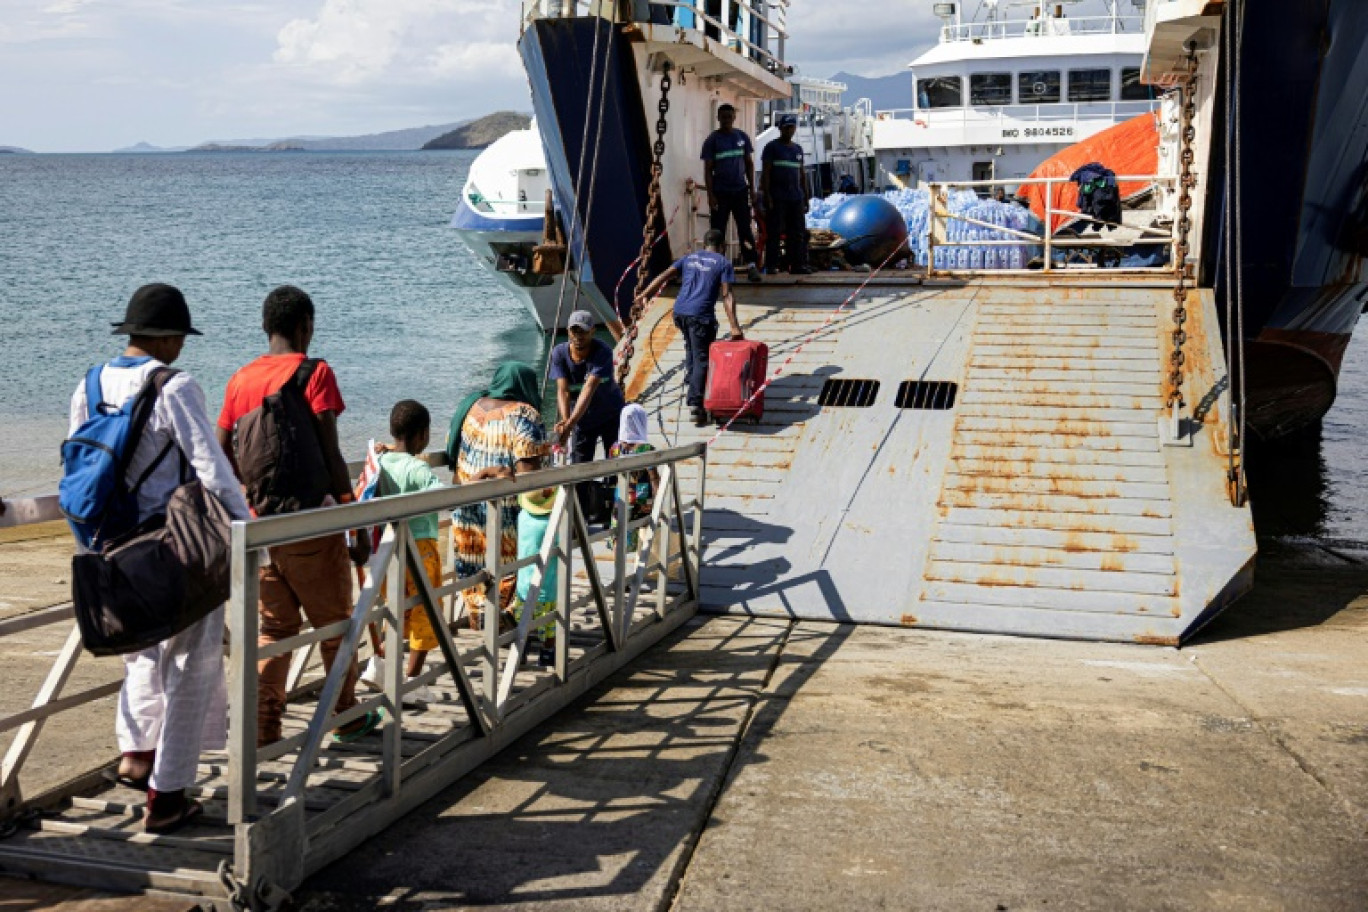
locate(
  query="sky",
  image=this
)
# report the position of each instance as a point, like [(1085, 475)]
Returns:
[(95, 75)]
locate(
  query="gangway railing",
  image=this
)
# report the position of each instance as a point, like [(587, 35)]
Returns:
[(488, 692), (937, 234)]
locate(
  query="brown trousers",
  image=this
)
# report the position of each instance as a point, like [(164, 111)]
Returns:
[(316, 576)]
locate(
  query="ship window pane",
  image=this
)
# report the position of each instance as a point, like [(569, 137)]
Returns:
[(1131, 87), (990, 89), (1038, 87), (940, 92), (1090, 85)]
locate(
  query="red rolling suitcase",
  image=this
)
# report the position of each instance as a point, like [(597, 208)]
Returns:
[(735, 371)]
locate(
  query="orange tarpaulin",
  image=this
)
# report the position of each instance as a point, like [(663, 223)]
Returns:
[(1130, 147)]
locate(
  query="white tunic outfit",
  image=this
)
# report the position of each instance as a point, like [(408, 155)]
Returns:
[(173, 700)]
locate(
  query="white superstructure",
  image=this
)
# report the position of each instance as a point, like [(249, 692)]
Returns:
[(998, 95), (500, 218), (837, 139)]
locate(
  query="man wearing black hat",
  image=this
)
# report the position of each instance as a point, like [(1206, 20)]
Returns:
[(784, 188), (173, 703)]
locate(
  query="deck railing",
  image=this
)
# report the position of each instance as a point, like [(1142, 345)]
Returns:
[(497, 697), (979, 115), (1043, 27), (940, 217), (754, 29)]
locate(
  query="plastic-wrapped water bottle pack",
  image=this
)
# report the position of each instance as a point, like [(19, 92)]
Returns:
[(913, 205)]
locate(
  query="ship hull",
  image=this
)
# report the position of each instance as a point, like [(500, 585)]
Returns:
[(1303, 194), (493, 241)]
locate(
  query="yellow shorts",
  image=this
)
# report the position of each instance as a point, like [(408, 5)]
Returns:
[(417, 627)]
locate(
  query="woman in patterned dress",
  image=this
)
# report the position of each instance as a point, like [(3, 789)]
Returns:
[(495, 433)]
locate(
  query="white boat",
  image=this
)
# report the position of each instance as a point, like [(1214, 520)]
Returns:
[(500, 218), (998, 95)]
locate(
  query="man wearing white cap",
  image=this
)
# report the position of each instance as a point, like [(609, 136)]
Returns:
[(583, 369)]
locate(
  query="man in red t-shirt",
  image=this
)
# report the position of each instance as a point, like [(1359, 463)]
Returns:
[(313, 575)]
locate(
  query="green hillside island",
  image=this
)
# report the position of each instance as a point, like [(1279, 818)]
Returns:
[(481, 133)]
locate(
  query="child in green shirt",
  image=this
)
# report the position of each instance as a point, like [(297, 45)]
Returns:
[(403, 470)]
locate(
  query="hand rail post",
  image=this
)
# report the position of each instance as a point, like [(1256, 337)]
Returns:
[(623, 513), (563, 593), (391, 749), (11, 795), (493, 607), (700, 491), (1049, 220), (242, 703)]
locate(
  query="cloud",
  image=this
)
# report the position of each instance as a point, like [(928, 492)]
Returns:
[(858, 36), (357, 42)]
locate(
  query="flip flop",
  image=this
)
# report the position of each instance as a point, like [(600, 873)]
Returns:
[(117, 778), (370, 720), (191, 810)]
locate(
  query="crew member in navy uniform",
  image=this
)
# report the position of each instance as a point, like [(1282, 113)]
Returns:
[(784, 189), (729, 165)]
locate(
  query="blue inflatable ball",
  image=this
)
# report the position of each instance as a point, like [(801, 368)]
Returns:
[(872, 228)]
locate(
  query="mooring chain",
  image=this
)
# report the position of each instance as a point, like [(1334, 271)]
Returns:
[(1186, 181), (647, 232)]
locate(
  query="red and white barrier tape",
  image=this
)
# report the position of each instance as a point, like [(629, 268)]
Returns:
[(779, 371)]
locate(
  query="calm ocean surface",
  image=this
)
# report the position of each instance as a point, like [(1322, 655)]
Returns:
[(404, 309)]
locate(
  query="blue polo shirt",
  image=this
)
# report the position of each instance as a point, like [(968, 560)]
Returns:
[(786, 170), (726, 154), (607, 403), (701, 278)]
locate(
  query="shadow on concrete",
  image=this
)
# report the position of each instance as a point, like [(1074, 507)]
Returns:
[(606, 800), (1303, 577)]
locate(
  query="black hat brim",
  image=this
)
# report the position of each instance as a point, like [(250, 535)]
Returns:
[(133, 329)]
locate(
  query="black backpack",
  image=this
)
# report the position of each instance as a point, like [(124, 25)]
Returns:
[(279, 456)]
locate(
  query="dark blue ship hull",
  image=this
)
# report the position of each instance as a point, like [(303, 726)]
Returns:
[(1303, 194), (610, 191)]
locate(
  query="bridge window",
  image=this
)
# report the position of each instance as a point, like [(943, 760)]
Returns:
[(940, 92), (990, 89), (1132, 89), (1090, 85), (933, 395), (1038, 87), (848, 393)]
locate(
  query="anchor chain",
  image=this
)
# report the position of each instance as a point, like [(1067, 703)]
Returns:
[(1187, 179), (648, 229)]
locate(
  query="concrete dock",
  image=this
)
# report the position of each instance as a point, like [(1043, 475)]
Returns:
[(761, 764)]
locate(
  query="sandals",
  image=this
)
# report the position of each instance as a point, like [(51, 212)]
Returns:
[(122, 775), (169, 811), (358, 728)]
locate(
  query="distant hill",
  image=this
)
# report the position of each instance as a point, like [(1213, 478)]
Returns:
[(893, 91), (148, 147), (478, 134), (406, 140), (15, 150)]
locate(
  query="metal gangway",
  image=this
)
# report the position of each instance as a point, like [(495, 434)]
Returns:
[(275, 814)]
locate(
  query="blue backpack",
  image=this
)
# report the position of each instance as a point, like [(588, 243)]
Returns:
[(94, 494)]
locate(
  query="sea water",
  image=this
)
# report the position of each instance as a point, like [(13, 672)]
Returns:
[(404, 309)]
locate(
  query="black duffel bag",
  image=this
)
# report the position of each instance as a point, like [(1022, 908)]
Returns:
[(157, 580)]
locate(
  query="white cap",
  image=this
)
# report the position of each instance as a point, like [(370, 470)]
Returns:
[(581, 319)]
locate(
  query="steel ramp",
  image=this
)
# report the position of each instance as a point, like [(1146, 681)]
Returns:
[(275, 814), (90, 834), (1043, 501)]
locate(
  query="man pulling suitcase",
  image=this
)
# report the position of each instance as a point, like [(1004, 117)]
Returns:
[(705, 276)]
